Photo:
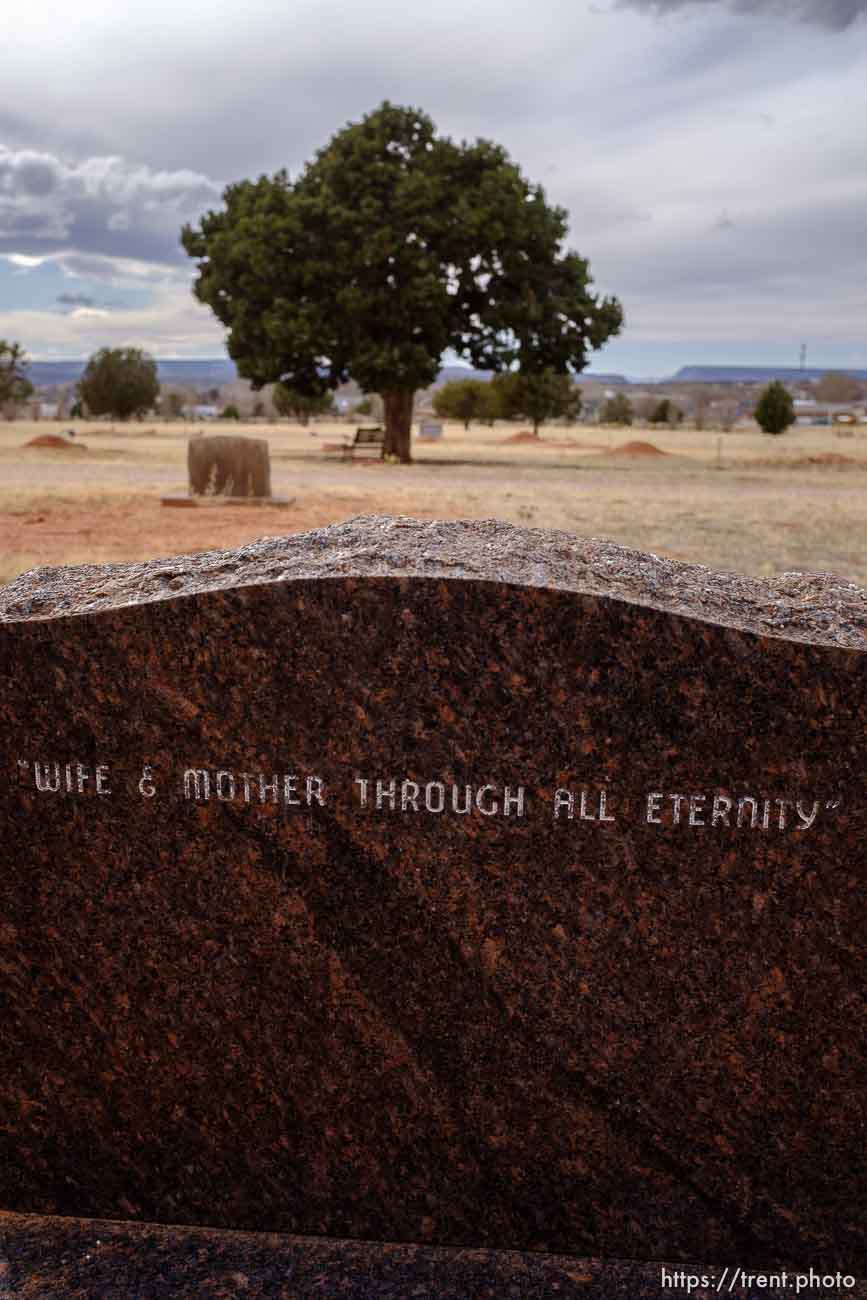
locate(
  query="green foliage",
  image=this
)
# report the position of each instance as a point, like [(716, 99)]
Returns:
[(298, 406), (462, 399), (364, 407), (666, 413), (617, 410), (775, 409), (119, 382), (488, 408), (76, 410), (390, 247), (14, 384), (230, 412), (538, 396)]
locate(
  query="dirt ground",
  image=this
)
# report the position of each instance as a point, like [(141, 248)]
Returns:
[(740, 501)]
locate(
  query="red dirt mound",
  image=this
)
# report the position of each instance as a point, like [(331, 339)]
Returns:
[(55, 443), (636, 449), (525, 435)]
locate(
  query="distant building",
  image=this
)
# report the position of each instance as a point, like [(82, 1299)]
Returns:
[(809, 412), (200, 412)]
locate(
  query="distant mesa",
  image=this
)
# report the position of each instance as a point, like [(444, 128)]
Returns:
[(214, 371), (754, 374)]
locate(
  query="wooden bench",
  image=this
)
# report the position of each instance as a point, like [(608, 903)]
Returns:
[(367, 438)]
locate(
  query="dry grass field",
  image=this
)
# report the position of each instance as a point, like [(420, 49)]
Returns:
[(766, 505)]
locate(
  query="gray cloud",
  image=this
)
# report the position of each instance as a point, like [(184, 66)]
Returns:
[(834, 14), (76, 300), (714, 180), (105, 206)]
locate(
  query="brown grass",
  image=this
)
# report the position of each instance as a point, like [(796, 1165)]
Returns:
[(767, 506)]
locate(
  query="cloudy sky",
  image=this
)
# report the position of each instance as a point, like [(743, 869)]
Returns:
[(711, 154)]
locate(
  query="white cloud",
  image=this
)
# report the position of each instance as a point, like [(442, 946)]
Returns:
[(173, 325), (711, 162)]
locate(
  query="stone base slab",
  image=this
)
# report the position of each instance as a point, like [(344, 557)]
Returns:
[(78, 1259)]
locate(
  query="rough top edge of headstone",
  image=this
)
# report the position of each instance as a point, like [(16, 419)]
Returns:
[(818, 608)]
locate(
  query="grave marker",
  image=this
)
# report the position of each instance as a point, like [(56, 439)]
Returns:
[(446, 883)]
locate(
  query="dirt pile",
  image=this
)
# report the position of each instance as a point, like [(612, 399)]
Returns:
[(525, 435), (54, 442), (637, 449)]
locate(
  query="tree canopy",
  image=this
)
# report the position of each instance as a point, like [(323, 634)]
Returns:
[(298, 406), (14, 384), (391, 246), (120, 382), (617, 410), (538, 396), (462, 399), (775, 409)]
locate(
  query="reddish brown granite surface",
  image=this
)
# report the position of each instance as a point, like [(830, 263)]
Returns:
[(82, 1259), (592, 1037)]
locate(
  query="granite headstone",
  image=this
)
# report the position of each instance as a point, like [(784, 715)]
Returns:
[(440, 883)]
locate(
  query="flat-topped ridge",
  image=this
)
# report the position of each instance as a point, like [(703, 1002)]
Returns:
[(819, 608)]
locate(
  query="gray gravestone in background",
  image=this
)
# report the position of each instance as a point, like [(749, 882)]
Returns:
[(447, 883)]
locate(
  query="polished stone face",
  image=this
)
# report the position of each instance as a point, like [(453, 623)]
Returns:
[(438, 883)]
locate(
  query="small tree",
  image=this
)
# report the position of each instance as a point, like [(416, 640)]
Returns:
[(14, 384), (775, 410), (119, 382), (538, 396), (489, 407), (230, 412), (665, 412), (298, 406), (617, 410), (459, 399)]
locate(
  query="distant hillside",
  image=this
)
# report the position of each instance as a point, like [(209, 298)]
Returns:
[(752, 374), (210, 374), (465, 372), (213, 373)]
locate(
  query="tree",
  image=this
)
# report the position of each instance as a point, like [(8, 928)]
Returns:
[(538, 396), (119, 382), (836, 386), (172, 403), (665, 412), (489, 407), (14, 384), (391, 246), (775, 410), (296, 405), (230, 412), (460, 399), (617, 410)]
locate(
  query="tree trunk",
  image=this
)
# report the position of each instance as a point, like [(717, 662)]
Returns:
[(398, 423)]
